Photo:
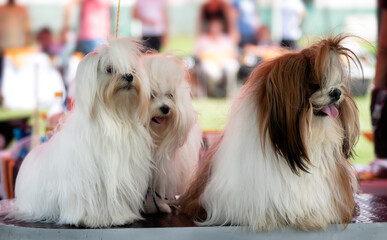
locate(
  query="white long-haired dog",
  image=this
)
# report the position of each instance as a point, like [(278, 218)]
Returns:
[(283, 157), (96, 169), (174, 129)]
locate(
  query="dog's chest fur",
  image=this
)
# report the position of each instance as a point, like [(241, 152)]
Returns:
[(273, 196)]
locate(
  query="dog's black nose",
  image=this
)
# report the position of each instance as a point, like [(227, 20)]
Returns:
[(164, 109), (335, 94), (128, 77)]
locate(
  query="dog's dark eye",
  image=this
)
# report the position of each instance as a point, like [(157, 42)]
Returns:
[(109, 69), (170, 95), (314, 87), (152, 96)]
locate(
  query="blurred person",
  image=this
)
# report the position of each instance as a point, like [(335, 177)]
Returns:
[(220, 10), (94, 25), (265, 48), (293, 12), (254, 54), (248, 21), (218, 60), (14, 26), (264, 37), (46, 42), (14, 30), (153, 15), (379, 99)]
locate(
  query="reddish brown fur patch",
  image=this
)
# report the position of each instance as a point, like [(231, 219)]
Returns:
[(343, 197), (350, 122), (190, 200), (281, 87), (345, 182)]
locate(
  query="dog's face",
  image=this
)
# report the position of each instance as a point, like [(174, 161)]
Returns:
[(162, 109), (171, 112), (110, 81), (298, 88), (327, 96), (120, 89), (166, 76)]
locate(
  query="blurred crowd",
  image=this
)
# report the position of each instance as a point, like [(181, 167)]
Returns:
[(229, 41)]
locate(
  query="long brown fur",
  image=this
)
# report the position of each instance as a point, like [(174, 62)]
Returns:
[(190, 200)]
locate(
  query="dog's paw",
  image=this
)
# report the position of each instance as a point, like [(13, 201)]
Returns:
[(154, 204), (164, 207)]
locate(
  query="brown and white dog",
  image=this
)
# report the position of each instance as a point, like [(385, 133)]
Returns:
[(283, 157)]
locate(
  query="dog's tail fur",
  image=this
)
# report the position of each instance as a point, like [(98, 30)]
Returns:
[(189, 201)]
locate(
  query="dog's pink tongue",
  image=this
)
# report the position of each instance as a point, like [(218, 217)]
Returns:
[(331, 111), (160, 119)]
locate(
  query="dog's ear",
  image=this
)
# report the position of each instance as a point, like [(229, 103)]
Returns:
[(86, 83), (350, 122), (143, 91), (284, 107), (186, 115), (340, 56)]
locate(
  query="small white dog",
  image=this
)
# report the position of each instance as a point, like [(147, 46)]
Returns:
[(283, 157), (174, 129), (96, 169)]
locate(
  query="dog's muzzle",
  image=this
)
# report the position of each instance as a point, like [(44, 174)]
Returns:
[(330, 109), (164, 111), (128, 78), (335, 94)]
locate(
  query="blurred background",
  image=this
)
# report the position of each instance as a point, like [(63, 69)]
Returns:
[(42, 42)]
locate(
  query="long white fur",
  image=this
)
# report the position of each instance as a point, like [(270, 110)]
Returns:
[(250, 186), (96, 169), (177, 155)]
